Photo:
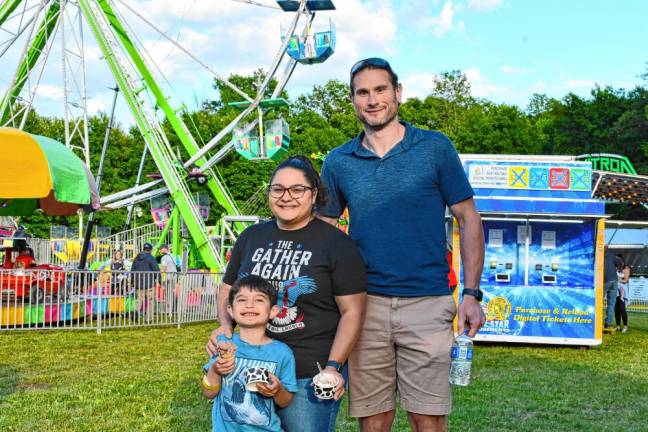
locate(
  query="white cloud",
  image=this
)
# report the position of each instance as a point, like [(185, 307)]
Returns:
[(512, 69), (538, 87), (444, 23), (50, 91), (206, 11), (421, 85), (230, 37), (483, 5), (418, 85), (577, 84), (482, 87)]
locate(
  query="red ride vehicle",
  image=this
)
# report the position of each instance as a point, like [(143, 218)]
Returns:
[(24, 278)]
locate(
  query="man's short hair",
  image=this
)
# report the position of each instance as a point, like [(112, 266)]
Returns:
[(253, 283), (164, 246), (373, 63)]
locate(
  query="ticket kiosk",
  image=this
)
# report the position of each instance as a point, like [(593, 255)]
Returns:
[(543, 268)]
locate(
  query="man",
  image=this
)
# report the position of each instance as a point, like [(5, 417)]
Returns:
[(143, 279), (169, 269), (397, 181), (167, 262)]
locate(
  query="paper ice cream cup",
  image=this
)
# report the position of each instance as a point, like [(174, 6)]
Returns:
[(254, 376), (324, 385)]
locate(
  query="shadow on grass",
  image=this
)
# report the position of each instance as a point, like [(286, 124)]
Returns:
[(9, 379)]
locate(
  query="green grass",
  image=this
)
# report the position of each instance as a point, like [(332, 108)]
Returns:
[(147, 380)]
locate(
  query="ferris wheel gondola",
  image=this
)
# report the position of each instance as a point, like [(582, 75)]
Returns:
[(310, 47)]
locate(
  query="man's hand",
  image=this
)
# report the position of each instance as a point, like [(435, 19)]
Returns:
[(213, 343), (224, 366), (273, 386), (339, 389), (471, 315)]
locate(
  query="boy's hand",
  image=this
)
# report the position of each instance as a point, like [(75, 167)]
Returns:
[(273, 387), (212, 344), (224, 366)]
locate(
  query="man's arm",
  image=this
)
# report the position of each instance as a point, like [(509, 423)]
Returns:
[(471, 234)]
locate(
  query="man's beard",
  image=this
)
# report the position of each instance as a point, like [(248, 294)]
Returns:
[(379, 124)]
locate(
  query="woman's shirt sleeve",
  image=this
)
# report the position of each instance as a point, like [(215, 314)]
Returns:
[(232, 269), (348, 270)]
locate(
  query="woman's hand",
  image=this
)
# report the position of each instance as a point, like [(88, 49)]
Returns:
[(212, 344), (339, 388)]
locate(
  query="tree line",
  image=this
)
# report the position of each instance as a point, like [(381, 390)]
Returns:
[(608, 120)]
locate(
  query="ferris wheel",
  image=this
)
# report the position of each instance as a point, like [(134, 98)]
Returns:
[(50, 37)]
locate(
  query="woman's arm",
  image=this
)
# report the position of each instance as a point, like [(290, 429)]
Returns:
[(352, 310), (223, 300), (226, 325)]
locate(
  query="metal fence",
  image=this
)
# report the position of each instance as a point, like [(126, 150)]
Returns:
[(97, 300), (637, 305), (66, 252)]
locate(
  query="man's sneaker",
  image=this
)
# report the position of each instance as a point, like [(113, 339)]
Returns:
[(618, 328), (625, 329)]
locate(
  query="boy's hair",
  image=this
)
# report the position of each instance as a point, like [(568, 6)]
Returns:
[(253, 283)]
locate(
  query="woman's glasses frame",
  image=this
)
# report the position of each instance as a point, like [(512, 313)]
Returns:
[(297, 191)]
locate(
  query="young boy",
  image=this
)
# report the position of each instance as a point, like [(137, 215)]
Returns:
[(252, 303)]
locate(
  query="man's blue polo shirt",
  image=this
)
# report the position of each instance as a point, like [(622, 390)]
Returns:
[(397, 208)]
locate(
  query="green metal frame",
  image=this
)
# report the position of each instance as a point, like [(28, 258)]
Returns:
[(173, 175), (7, 8), (215, 185)]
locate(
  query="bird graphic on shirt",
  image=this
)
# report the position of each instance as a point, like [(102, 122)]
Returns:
[(287, 295)]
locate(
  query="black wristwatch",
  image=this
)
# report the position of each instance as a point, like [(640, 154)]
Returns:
[(336, 365), (475, 292)]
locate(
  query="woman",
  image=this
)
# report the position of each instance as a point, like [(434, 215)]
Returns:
[(117, 265), (321, 283), (620, 311)]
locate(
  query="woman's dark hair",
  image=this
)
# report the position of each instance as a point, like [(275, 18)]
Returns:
[(253, 283), (303, 164)]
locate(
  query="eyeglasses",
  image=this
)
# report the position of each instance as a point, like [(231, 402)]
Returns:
[(295, 191), (372, 61)]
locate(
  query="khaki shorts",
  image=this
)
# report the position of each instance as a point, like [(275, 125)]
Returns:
[(404, 346)]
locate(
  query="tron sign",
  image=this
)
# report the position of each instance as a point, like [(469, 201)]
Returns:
[(609, 162)]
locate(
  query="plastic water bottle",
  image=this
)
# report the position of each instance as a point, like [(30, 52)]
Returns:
[(461, 360)]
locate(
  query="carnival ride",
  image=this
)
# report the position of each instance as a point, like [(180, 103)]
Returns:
[(43, 24), (45, 35)]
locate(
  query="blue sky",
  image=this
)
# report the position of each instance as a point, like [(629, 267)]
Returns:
[(509, 49)]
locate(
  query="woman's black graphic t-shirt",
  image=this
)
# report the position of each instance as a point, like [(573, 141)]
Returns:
[(309, 267)]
